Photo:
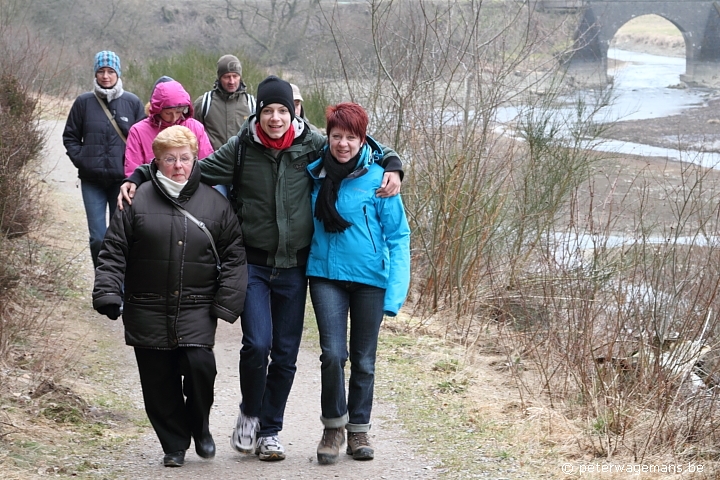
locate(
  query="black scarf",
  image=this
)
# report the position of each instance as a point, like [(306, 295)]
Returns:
[(325, 209)]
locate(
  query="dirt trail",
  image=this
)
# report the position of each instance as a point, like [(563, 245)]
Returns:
[(141, 458)]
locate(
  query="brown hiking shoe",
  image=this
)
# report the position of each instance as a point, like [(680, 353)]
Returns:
[(358, 445), (329, 447)]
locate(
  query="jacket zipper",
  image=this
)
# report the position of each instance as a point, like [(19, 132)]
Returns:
[(182, 271), (367, 224)]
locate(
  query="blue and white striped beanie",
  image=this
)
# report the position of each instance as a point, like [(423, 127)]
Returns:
[(106, 58)]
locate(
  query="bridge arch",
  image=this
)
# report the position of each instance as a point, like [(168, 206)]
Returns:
[(698, 22)]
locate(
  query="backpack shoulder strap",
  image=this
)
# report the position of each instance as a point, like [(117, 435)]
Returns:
[(240, 149), (207, 100), (251, 102)]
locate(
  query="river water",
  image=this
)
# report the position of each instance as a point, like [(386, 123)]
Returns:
[(644, 87)]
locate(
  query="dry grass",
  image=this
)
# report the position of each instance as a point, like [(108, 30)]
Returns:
[(60, 412), (468, 394)]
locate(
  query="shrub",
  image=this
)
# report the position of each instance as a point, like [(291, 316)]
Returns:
[(315, 101), (20, 142)]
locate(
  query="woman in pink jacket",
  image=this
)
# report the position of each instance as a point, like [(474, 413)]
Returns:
[(169, 105)]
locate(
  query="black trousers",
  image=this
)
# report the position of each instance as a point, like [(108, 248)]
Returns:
[(178, 390)]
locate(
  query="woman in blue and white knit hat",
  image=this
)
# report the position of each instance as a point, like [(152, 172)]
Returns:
[(107, 73), (96, 144)]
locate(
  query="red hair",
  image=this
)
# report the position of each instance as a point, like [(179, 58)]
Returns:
[(347, 116)]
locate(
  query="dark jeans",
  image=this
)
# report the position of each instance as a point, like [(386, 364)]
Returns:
[(177, 407), (332, 300), (272, 325), (97, 199)]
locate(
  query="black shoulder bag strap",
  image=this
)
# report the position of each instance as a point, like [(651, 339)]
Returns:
[(233, 196), (111, 118), (202, 227)]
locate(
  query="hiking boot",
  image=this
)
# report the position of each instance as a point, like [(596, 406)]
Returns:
[(329, 447), (245, 433), (358, 445), (270, 449)]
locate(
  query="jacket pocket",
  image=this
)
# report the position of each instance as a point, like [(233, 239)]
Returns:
[(144, 298), (198, 299), (369, 230)]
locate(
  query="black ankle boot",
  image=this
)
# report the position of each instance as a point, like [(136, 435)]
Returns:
[(174, 459), (205, 446)]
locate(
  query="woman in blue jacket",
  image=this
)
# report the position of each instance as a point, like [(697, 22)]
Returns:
[(359, 262)]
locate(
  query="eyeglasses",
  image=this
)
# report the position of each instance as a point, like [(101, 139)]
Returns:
[(185, 160)]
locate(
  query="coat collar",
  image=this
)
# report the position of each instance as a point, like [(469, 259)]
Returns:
[(188, 190), (242, 89)]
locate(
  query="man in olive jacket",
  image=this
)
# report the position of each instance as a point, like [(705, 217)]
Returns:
[(225, 108)]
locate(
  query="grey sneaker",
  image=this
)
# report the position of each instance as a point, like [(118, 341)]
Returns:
[(358, 445), (245, 433), (270, 449), (329, 447)]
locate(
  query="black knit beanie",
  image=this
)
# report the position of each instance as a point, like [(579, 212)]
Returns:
[(275, 90)]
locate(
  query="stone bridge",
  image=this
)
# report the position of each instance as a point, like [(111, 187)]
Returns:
[(697, 20)]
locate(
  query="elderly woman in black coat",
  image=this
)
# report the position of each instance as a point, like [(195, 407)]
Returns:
[(174, 260)]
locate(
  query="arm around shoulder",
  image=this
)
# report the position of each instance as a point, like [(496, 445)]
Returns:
[(140, 175), (390, 160), (218, 167)]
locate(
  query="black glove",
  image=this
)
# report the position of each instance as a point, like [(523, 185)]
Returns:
[(111, 311)]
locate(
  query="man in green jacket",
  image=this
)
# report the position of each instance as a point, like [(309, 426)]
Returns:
[(266, 164)]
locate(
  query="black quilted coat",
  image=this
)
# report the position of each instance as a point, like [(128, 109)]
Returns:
[(173, 293), (92, 143)]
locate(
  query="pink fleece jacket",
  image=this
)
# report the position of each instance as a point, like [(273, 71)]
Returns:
[(139, 143)]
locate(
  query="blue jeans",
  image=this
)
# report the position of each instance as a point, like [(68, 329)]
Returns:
[(272, 325), (222, 189), (331, 300), (97, 198)]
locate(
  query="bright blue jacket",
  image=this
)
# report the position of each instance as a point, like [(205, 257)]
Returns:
[(375, 250)]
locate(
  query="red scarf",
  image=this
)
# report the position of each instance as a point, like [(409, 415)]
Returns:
[(278, 144)]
